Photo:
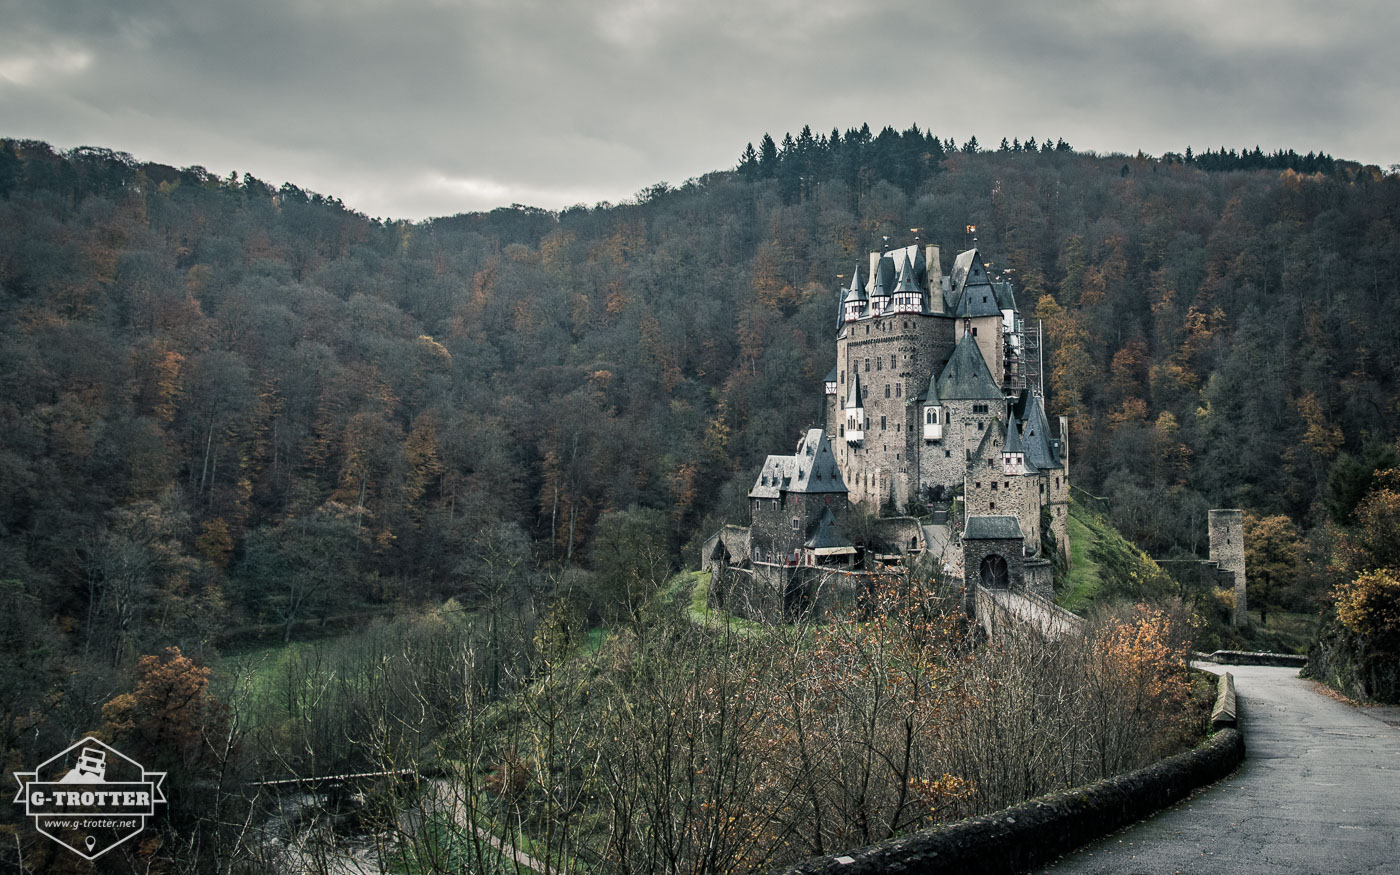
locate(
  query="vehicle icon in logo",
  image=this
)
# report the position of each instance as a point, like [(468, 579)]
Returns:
[(90, 797)]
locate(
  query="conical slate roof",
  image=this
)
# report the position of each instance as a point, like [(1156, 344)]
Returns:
[(857, 290), (966, 376), (907, 283), (1013, 437), (1037, 437), (856, 398), (930, 394)]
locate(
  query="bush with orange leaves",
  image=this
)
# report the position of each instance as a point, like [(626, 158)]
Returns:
[(1138, 668)]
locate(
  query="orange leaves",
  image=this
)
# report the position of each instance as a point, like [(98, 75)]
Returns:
[(169, 707), (1141, 653), (945, 791), (1370, 604), (1321, 435)]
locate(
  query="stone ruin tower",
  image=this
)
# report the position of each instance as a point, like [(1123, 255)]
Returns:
[(1227, 550)]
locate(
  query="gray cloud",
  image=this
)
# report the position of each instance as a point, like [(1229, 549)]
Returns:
[(423, 108)]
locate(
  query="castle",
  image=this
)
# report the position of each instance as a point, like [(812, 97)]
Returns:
[(935, 397)]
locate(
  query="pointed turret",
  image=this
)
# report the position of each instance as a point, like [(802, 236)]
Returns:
[(854, 428), (908, 295), (880, 287), (933, 411), (856, 299), (1039, 452)]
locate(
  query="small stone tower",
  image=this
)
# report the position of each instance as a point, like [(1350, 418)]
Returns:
[(1227, 551)]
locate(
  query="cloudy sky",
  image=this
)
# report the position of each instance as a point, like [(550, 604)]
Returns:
[(417, 108)]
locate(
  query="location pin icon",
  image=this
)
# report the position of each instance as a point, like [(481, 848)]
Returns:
[(90, 842)]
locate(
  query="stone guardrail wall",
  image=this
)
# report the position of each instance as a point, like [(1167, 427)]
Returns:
[(1038, 831), (1252, 657), (1225, 713)]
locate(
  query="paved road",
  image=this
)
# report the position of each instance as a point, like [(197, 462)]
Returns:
[(1319, 792)]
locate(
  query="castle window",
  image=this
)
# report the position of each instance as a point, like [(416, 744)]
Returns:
[(887, 391), (882, 423), (896, 390), (974, 331), (879, 364), (867, 366), (843, 378), (867, 329), (981, 425), (892, 365), (991, 505), (994, 486), (843, 431), (947, 454)]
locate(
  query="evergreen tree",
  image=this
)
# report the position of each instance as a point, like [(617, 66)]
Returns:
[(767, 157)]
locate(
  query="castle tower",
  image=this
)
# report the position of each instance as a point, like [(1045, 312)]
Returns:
[(976, 303), (856, 300), (1227, 550)]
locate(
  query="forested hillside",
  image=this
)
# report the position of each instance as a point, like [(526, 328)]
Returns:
[(231, 410), (227, 404)]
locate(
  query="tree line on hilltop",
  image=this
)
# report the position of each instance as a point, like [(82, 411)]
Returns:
[(234, 410)]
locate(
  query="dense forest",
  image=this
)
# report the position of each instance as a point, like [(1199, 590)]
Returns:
[(233, 410)]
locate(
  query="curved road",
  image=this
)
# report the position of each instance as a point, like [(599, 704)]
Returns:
[(1319, 792)]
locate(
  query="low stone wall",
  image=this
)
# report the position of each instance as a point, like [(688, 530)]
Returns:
[(1252, 657), (1226, 711), (1036, 832)]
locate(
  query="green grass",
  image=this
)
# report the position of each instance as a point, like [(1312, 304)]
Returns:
[(259, 665), (1105, 566), (1083, 582), (694, 588)]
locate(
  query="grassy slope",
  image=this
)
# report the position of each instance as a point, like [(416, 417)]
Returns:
[(1105, 566)]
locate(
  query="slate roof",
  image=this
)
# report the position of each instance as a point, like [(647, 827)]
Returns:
[(1013, 436), (1037, 435), (884, 279), (831, 377), (857, 397), (857, 290), (1006, 297), (826, 533), (906, 279), (966, 376), (812, 469), (962, 269), (930, 394), (992, 528)]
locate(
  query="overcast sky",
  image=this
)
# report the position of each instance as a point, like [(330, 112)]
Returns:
[(417, 108)]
